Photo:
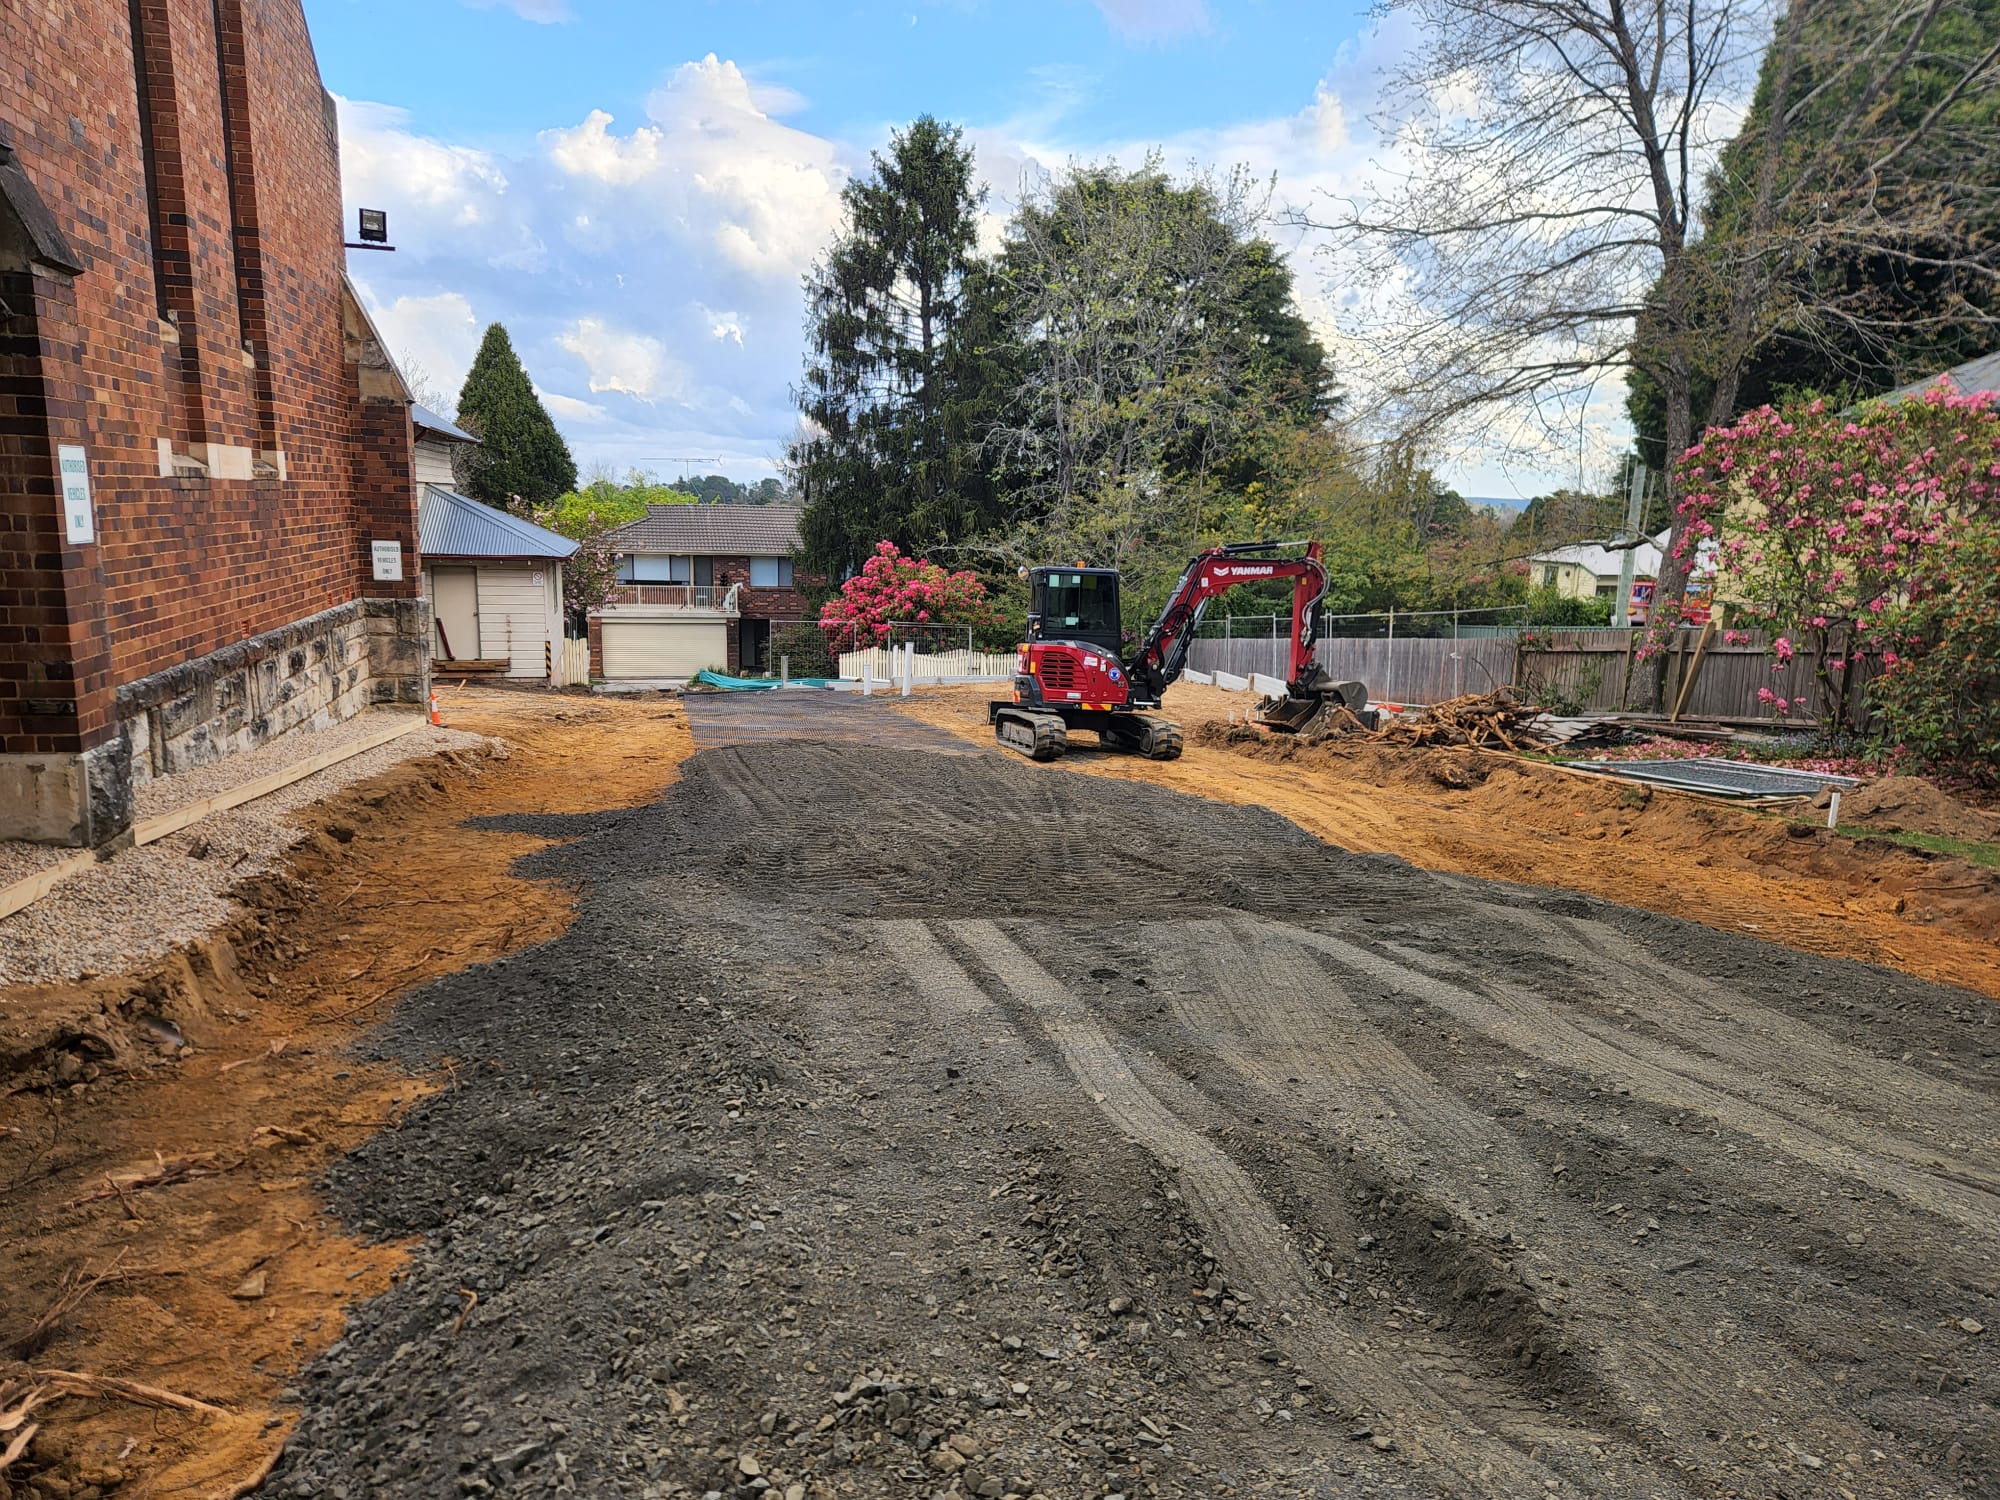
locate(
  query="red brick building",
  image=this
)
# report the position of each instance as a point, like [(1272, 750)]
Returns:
[(204, 448), (704, 586)]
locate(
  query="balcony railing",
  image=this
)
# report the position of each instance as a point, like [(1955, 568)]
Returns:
[(720, 598)]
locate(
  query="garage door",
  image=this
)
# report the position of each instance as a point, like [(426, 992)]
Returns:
[(663, 648)]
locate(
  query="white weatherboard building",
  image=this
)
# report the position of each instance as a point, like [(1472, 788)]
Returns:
[(494, 581), (1589, 570)]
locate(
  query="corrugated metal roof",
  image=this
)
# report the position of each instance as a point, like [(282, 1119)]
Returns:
[(1981, 374), (430, 421), (450, 525), (713, 530)]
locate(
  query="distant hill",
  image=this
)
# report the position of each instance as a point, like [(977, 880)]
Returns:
[(1505, 504)]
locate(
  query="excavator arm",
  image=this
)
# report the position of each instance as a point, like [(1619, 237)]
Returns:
[(1162, 655)]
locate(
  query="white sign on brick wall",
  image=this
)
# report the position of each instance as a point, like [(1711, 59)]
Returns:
[(388, 561), (73, 468)]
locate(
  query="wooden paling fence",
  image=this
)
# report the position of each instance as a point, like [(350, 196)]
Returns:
[(1591, 670)]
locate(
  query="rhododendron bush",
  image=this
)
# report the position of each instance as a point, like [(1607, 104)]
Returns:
[(1840, 532), (1943, 701), (892, 590)]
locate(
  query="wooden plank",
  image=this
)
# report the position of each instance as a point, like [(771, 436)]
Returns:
[(154, 829), (25, 892), (1693, 670)]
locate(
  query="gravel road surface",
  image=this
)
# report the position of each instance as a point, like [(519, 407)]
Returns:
[(896, 1123)]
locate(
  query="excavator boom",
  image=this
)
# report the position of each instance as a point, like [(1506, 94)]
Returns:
[(1162, 655)]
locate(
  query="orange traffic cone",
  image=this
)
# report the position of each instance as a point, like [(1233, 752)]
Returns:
[(436, 717)]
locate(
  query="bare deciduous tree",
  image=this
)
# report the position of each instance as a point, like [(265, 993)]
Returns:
[(1562, 164), (424, 389)]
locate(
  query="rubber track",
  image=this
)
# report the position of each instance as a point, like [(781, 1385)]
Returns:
[(1046, 736)]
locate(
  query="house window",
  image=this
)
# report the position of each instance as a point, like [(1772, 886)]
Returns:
[(653, 567), (1548, 578), (770, 572), (704, 572), (1607, 591)]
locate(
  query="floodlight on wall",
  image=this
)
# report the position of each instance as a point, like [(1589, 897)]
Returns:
[(374, 231)]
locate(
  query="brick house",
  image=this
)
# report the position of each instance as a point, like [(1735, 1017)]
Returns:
[(703, 586), (210, 520)]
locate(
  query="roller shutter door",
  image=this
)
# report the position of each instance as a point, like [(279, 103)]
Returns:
[(663, 648)]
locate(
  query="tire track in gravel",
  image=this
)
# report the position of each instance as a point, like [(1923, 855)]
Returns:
[(1665, 1076), (1726, 1024), (1285, 1025), (1429, 1424)]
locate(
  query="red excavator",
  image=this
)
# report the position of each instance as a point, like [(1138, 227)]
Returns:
[(1069, 675)]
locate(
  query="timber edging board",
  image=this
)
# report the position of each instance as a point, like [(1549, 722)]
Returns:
[(24, 893)]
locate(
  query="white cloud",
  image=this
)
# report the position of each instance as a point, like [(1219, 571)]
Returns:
[(722, 325), (620, 360), (590, 150), (437, 334), (444, 201), (1154, 20), (713, 155), (571, 408)]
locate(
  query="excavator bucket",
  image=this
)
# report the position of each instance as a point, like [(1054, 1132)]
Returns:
[(1299, 707)]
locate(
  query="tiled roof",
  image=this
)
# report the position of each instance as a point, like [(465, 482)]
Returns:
[(450, 525), (712, 530), (427, 420), (1981, 374)]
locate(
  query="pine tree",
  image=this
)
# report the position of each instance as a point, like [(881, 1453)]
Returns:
[(892, 451), (521, 461)]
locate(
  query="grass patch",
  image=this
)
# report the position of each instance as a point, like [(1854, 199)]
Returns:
[(1986, 854)]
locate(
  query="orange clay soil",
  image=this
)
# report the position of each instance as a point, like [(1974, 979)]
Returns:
[(1506, 819), (222, 1280)]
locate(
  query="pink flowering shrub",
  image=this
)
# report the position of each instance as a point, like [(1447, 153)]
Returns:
[(1832, 527), (892, 589)]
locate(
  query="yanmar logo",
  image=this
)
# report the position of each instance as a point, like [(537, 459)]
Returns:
[(1246, 570)]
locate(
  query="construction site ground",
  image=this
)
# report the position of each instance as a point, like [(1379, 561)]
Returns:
[(824, 1115)]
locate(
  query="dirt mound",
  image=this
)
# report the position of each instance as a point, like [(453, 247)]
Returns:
[(1909, 804), (871, 831)]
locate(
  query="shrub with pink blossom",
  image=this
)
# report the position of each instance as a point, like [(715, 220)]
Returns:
[(1832, 527), (892, 590)]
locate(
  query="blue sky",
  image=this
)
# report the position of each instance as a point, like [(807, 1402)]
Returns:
[(636, 189)]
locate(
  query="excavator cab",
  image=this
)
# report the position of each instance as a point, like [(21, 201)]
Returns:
[(1076, 604)]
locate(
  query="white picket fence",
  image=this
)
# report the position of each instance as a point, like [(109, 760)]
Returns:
[(573, 665), (885, 664)]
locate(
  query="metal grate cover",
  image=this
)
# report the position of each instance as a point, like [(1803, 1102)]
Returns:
[(1722, 778)]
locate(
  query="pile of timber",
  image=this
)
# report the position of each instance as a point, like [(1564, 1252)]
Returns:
[(486, 666), (1484, 721)]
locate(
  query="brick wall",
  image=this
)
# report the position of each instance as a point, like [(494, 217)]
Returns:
[(758, 604), (246, 441)]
